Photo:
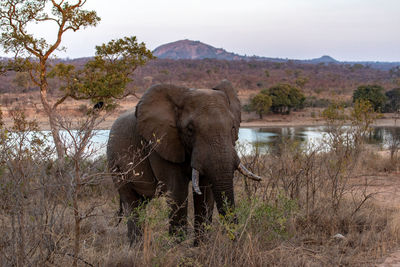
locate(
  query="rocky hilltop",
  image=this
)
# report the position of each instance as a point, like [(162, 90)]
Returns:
[(187, 49)]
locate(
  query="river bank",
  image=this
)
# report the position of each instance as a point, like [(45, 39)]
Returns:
[(303, 118)]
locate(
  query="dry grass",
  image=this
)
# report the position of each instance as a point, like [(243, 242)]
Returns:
[(314, 208), (273, 229)]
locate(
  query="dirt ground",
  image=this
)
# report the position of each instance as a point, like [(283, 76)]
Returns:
[(387, 189)]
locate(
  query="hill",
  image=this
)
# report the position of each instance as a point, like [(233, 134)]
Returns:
[(188, 49)]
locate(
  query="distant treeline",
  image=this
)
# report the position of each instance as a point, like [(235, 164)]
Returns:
[(314, 79)]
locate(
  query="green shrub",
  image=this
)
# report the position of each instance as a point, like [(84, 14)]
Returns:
[(372, 93), (261, 103), (285, 97)]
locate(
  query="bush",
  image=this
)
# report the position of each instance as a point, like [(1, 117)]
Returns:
[(261, 104), (46, 203), (285, 97), (371, 93)]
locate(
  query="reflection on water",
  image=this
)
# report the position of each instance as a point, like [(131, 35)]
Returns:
[(385, 136), (265, 139)]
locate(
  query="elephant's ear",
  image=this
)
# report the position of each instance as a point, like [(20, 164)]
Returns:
[(234, 102), (156, 120)]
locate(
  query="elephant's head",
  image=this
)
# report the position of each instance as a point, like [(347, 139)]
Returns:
[(196, 126)]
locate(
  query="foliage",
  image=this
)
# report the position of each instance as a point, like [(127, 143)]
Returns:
[(334, 113), (272, 219), (393, 100), (31, 52), (346, 143), (362, 117), (372, 93), (296, 98), (285, 97), (281, 98), (151, 213), (17, 16), (261, 104), (104, 78)]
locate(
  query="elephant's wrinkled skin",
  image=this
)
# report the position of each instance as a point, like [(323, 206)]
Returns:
[(197, 129)]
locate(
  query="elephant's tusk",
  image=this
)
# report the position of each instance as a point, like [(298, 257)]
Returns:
[(195, 181), (248, 173)]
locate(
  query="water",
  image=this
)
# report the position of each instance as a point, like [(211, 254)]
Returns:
[(265, 138)]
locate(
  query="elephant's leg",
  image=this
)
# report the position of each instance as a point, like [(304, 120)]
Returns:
[(178, 215), (130, 201), (203, 209), (175, 187)]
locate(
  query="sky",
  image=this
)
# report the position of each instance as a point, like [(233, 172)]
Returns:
[(347, 30)]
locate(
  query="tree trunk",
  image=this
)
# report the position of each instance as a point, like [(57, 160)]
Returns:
[(51, 113), (55, 132)]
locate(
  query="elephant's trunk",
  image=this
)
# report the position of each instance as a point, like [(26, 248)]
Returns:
[(223, 195), (216, 160)]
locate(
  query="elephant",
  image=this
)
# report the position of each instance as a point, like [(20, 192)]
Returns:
[(174, 136)]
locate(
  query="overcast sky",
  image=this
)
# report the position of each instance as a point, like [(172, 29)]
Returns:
[(347, 30)]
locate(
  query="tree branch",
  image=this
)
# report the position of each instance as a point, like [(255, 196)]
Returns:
[(60, 101), (33, 78)]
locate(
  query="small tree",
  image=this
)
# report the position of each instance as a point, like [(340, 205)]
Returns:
[(285, 97), (280, 98), (261, 104), (371, 93), (362, 116), (103, 78), (16, 17)]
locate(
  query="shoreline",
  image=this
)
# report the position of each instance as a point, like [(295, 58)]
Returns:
[(308, 117), (106, 125), (317, 123)]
